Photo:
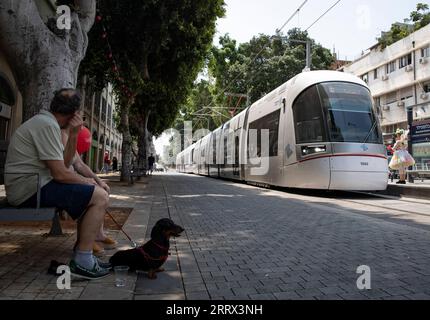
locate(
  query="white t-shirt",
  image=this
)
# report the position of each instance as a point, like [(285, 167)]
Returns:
[(37, 140)]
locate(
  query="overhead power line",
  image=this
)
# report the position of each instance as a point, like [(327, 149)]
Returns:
[(291, 18), (323, 15)]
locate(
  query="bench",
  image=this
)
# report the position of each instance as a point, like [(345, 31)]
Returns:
[(420, 172), (13, 214)]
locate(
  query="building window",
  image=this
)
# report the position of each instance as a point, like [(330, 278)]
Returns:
[(391, 97), (425, 52), (7, 101), (391, 67), (365, 78), (406, 93), (375, 74), (405, 61), (426, 87)]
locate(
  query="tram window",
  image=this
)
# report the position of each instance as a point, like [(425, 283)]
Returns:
[(350, 113), (214, 149), (308, 117), (271, 123)]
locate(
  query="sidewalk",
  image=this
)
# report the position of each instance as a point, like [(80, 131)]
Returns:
[(25, 255), (418, 189)]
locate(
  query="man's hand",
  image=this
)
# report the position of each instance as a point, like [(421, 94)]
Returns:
[(75, 124), (104, 186), (91, 181)]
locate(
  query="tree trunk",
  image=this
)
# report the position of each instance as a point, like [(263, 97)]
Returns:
[(126, 146), (142, 140), (43, 61)]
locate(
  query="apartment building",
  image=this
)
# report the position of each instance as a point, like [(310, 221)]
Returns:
[(399, 79), (99, 117)]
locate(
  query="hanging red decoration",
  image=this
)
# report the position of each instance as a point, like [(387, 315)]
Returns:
[(84, 141), (99, 18)]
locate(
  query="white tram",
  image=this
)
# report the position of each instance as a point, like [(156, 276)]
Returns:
[(317, 131)]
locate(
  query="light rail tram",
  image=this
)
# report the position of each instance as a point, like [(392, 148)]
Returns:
[(319, 131)]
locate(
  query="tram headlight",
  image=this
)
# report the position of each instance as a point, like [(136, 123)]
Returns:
[(309, 150)]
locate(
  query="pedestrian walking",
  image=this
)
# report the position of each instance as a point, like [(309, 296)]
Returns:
[(114, 164)]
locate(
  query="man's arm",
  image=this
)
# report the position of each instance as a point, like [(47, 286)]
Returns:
[(62, 175), (86, 171), (70, 141)]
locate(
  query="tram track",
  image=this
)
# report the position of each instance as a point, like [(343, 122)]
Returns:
[(394, 199)]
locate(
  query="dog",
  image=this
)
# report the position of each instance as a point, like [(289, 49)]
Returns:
[(153, 254)]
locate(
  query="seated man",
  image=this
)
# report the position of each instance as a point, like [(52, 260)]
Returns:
[(36, 148), (75, 163)]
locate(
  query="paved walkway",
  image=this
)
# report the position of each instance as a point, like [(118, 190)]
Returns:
[(243, 242)]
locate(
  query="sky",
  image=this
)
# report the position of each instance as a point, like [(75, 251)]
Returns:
[(351, 27)]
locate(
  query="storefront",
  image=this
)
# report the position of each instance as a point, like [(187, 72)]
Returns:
[(421, 142)]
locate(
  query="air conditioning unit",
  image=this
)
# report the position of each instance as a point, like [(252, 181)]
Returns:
[(401, 104), (409, 68), (424, 60), (385, 77), (386, 108), (424, 96)]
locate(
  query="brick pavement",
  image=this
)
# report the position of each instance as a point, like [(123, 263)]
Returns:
[(243, 242)]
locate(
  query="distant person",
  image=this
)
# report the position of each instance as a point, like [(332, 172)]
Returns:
[(106, 163), (401, 159), (151, 163), (114, 164)]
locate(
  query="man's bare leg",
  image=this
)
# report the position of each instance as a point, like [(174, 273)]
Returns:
[(93, 220)]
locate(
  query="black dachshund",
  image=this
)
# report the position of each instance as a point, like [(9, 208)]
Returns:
[(153, 254)]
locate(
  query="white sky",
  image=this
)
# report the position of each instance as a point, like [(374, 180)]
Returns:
[(352, 26)]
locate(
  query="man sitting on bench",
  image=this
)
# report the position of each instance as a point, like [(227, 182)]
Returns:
[(36, 147)]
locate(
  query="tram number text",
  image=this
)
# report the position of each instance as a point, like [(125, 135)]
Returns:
[(365, 164)]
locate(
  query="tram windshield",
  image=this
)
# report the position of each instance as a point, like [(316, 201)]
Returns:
[(336, 112), (350, 115)]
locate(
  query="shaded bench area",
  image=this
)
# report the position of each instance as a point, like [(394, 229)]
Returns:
[(9, 213)]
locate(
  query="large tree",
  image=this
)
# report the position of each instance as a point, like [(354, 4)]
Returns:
[(257, 67), (173, 65), (158, 46), (43, 58)]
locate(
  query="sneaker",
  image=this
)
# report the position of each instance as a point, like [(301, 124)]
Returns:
[(98, 250), (104, 265), (95, 273), (108, 243)]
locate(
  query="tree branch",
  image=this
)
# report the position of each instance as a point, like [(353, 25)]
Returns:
[(87, 13)]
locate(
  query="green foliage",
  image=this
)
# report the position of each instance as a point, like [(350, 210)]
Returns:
[(174, 65), (419, 18), (254, 68)]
